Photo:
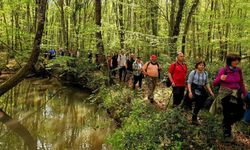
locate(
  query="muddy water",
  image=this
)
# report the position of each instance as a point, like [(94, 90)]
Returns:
[(42, 114)]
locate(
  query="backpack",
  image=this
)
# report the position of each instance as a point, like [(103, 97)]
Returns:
[(195, 74), (168, 82)]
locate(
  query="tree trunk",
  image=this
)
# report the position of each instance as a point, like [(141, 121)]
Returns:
[(154, 17), (121, 22), (35, 16), (63, 25), (175, 26), (194, 50), (186, 28), (98, 17), (147, 20), (21, 74), (209, 34)]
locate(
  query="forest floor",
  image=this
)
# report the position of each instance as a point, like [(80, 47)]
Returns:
[(163, 100)]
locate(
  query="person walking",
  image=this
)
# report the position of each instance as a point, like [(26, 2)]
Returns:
[(129, 67), (198, 88), (137, 71), (231, 93), (151, 70), (122, 66), (177, 74), (114, 64)]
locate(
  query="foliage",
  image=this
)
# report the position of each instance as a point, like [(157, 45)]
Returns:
[(2, 63), (145, 127), (149, 128), (116, 100), (18, 20)]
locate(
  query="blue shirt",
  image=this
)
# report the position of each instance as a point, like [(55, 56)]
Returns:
[(199, 78)]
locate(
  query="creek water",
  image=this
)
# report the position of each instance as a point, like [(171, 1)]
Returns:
[(43, 114)]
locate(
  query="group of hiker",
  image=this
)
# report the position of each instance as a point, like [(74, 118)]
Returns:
[(128, 67), (52, 53), (230, 97)]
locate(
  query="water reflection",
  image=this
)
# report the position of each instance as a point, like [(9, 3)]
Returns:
[(19, 129), (55, 116)]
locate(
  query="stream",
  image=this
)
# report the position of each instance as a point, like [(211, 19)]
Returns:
[(43, 114)]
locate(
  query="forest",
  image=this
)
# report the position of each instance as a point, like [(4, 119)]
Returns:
[(69, 69)]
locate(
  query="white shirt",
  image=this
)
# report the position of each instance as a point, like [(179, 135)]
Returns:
[(122, 60)]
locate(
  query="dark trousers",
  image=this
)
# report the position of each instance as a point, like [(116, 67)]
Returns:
[(113, 72), (232, 112), (136, 79), (122, 70), (199, 101), (178, 94), (187, 102)]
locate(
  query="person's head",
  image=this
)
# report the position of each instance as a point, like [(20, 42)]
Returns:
[(180, 57), (132, 56), (153, 58), (233, 60), (200, 65), (138, 59)]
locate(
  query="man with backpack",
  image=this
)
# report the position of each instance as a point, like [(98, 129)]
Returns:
[(151, 70), (52, 53), (177, 74)]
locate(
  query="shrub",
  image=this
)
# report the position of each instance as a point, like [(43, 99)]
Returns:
[(149, 128)]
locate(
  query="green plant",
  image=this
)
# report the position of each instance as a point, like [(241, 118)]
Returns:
[(149, 128)]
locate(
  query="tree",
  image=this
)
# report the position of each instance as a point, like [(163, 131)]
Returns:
[(174, 26), (188, 22), (21, 74), (121, 23), (98, 17)]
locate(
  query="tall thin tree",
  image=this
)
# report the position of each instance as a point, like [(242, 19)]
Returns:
[(21, 74)]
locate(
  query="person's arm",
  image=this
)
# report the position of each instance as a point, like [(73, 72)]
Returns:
[(242, 84), (144, 69), (189, 82), (208, 85), (140, 68), (190, 94), (218, 77), (126, 64), (170, 72), (160, 68), (118, 59), (134, 66), (209, 89)]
